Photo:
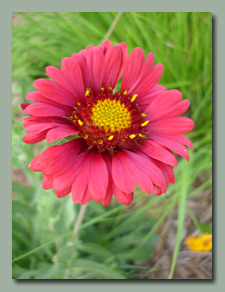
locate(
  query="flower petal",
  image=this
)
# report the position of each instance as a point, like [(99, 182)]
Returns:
[(35, 164), (57, 159), (133, 68), (139, 176), (60, 132), (47, 182), (113, 63), (123, 197), (98, 177), (171, 143), (44, 110), (53, 91), (157, 152), (121, 175), (58, 76), (95, 66), (73, 72), (172, 126)]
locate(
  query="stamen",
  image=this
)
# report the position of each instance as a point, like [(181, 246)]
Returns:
[(111, 137), (87, 91), (132, 136), (133, 98), (140, 135), (145, 123), (80, 123), (125, 92), (144, 115)]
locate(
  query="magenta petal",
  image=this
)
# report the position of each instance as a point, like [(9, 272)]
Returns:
[(38, 97), (145, 84), (121, 175), (44, 110), (47, 182), (39, 127), (83, 66), (184, 140), (109, 192), (73, 72), (86, 198), (58, 76), (56, 159), (174, 111), (35, 164), (113, 62), (139, 176), (53, 91), (95, 66), (98, 177), (133, 68), (124, 58), (123, 197), (63, 193), (173, 126), (157, 152), (165, 100), (32, 138), (80, 183), (105, 46), (24, 105), (60, 132), (171, 144), (63, 182), (144, 163)]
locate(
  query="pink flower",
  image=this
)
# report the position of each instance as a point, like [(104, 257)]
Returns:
[(123, 137)]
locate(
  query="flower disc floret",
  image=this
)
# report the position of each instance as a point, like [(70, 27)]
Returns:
[(108, 120)]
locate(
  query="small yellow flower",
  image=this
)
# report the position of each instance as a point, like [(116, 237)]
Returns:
[(201, 243)]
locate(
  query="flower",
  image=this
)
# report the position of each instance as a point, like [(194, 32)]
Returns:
[(203, 242), (121, 137)]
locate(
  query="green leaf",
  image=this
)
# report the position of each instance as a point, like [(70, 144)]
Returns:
[(205, 228), (143, 251), (67, 253), (101, 269), (95, 249)]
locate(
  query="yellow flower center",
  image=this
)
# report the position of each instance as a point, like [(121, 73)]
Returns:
[(111, 115)]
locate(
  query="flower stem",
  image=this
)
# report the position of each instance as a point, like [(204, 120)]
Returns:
[(110, 30), (79, 221), (75, 232)]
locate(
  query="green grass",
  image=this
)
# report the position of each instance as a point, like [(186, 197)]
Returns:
[(113, 239)]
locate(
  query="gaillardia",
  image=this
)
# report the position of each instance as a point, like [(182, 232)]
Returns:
[(122, 137)]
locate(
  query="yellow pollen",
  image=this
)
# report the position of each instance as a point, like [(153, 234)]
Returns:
[(100, 142), (111, 137), (125, 92), (102, 88), (144, 115), (132, 136), (140, 135), (133, 98), (145, 123), (87, 92), (78, 103), (111, 116), (110, 87), (80, 123), (86, 136)]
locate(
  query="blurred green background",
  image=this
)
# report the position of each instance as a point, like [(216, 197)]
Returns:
[(114, 242)]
